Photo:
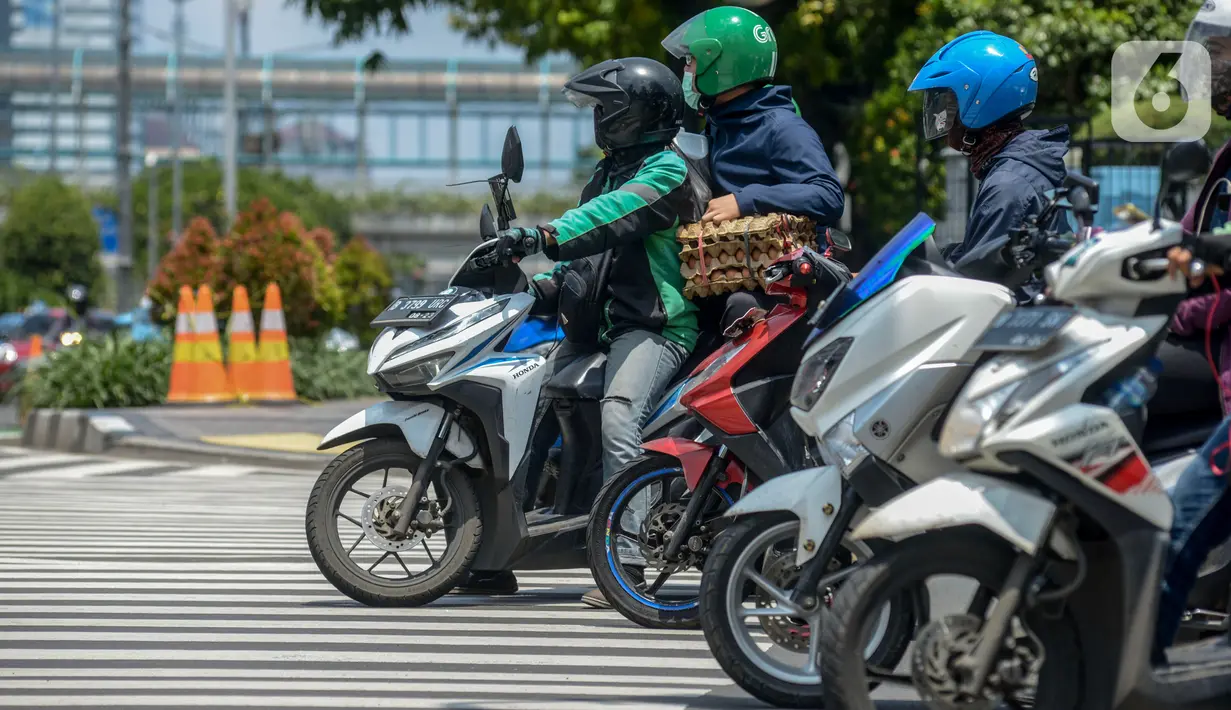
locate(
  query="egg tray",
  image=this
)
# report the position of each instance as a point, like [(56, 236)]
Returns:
[(724, 249)]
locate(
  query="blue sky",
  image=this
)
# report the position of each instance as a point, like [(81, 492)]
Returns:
[(275, 28)]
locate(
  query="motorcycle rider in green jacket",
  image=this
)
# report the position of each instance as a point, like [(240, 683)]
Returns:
[(632, 206)]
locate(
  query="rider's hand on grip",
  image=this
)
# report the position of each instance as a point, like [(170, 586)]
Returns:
[(513, 244)]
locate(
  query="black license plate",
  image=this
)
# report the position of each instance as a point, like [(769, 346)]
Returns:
[(414, 311), (1025, 329)]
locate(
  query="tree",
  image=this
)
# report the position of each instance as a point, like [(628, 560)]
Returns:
[(271, 246), (48, 242), (202, 192), (192, 262)]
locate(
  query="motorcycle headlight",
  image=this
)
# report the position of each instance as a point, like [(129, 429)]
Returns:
[(816, 372), (417, 373), (8, 354), (971, 420), (840, 447), (452, 328)]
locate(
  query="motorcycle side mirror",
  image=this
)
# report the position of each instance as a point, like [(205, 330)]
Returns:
[(838, 240), (512, 161), (1185, 161), (487, 223)]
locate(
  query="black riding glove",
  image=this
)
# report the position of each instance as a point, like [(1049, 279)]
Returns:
[(519, 241)]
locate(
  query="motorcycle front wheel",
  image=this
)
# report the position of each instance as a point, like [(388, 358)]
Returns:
[(773, 655), (630, 523), (967, 553), (350, 518)]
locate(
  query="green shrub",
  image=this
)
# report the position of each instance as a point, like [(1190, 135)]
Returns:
[(117, 371), (100, 373), (363, 277), (264, 246), (321, 374)]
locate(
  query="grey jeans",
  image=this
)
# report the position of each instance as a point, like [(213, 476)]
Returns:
[(640, 365)]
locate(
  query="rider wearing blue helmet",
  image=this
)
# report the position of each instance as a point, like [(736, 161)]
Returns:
[(977, 90)]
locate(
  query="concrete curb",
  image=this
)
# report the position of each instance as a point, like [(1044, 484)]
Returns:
[(79, 431), (198, 452)]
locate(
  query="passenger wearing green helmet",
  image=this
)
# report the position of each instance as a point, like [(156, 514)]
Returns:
[(763, 156)]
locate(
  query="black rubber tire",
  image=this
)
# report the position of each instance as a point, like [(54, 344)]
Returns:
[(367, 589), (715, 580), (965, 552), (629, 606)]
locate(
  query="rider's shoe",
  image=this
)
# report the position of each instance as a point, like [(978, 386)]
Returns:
[(597, 600), (594, 598), (488, 583)]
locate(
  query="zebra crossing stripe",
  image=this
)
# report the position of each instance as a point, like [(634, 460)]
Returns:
[(200, 592)]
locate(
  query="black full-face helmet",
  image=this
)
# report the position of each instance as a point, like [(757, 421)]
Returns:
[(636, 102)]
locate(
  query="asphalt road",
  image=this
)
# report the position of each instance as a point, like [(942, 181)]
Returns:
[(147, 584)]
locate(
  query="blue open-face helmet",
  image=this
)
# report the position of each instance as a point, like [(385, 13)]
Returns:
[(980, 78)]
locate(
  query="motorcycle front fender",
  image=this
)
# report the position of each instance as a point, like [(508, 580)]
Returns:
[(693, 457), (814, 495), (416, 422), (1018, 515)]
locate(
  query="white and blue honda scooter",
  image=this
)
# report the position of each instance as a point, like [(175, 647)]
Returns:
[(453, 474)]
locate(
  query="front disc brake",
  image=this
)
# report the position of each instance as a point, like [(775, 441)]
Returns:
[(379, 518)]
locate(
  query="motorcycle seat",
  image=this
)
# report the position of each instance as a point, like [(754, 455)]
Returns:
[(584, 377), (580, 379)]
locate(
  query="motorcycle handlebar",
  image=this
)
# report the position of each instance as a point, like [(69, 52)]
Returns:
[(1148, 268)]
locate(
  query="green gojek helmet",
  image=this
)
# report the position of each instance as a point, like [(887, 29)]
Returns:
[(732, 46)]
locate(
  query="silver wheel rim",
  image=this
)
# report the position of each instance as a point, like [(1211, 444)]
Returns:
[(807, 673)]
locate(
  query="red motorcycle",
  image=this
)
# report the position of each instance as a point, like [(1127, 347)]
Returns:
[(659, 515)]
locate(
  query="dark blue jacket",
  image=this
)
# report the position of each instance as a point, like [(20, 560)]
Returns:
[(762, 152), (1014, 184)]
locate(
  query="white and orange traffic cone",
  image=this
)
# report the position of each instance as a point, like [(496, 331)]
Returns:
[(273, 354), (243, 367), (212, 383), (184, 370)]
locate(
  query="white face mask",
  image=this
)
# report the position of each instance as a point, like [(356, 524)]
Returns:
[(691, 97)]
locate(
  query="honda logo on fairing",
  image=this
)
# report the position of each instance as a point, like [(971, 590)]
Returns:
[(1086, 429), (525, 370)]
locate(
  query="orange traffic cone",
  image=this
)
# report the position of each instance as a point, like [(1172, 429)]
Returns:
[(277, 385), (242, 365), (211, 376), (184, 357), (36, 347)]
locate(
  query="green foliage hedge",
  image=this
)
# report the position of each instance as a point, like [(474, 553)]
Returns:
[(113, 371), (99, 373)]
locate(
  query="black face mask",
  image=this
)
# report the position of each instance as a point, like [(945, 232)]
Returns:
[(1220, 93)]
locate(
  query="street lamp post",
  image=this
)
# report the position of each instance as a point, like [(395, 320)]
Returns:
[(177, 166), (231, 134), (151, 239), (123, 158)]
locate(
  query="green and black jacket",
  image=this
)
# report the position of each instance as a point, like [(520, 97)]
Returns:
[(635, 211)]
